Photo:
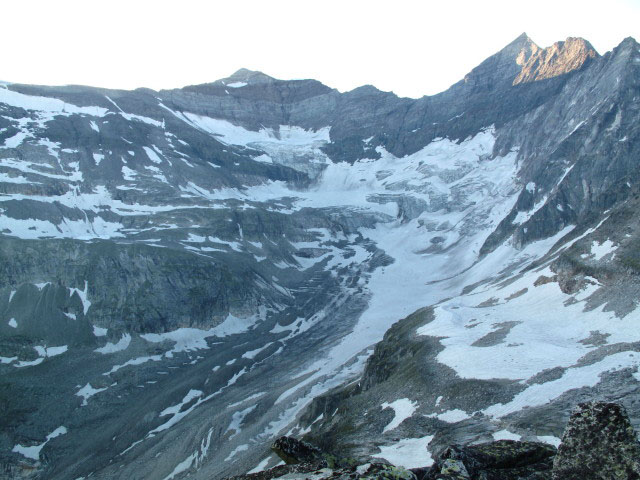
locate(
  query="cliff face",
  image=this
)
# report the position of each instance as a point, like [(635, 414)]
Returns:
[(560, 58), (183, 272)]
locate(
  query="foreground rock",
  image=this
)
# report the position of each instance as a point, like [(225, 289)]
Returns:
[(305, 461), (293, 451), (304, 472), (504, 459), (598, 443)]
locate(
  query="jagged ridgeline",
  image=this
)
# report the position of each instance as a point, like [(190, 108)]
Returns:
[(187, 275)]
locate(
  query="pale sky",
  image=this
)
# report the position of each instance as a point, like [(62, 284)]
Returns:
[(412, 48)]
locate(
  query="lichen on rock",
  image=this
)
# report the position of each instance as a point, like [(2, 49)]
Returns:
[(598, 443)]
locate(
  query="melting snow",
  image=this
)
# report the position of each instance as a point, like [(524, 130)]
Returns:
[(260, 467), (153, 156), (451, 416), (235, 135), (99, 331), (33, 452), (82, 294), (122, 344), (408, 453), (237, 418), (599, 250), (43, 352), (88, 391), (238, 449), (251, 354), (134, 361), (403, 409), (46, 104), (189, 339), (505, 435), (182, 466), (575, 377), (176, 411), (550, 439)]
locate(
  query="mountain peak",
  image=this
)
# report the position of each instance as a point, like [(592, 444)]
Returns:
[(519, 46), (523, 38), (503, 66), (560, 58), (248, 76)]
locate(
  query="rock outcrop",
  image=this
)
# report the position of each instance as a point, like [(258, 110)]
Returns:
[(558, 59), (293, 451), (599, 443), (501, 460)]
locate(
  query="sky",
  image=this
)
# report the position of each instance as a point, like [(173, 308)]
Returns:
[(412, 48)]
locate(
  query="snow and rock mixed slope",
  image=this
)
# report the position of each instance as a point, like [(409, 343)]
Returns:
[(187, 274)]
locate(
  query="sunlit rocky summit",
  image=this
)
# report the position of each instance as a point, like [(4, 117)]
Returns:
[(188, 275)]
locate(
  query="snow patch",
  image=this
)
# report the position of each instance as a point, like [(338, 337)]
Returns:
[(451, 416), (260, 467), (599, 250), (88, 391), (550, 439), (120, 345), (408, 452), (238, 449), (190, 339), (403, 409), (153, 156), (237, 418), (33, 452), (99, 331), (505, 435), (46, 104), (83, 296)]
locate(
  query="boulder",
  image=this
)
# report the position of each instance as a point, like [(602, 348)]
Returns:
[(599, 443), (293, 451), (500, 460)]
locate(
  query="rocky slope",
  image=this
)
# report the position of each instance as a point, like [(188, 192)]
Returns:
[(187, 274)]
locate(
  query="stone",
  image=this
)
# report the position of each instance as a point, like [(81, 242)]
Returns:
[(503, 459), (599, 443), (293, 451)]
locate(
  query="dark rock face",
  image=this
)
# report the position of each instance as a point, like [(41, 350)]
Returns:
[(501, 460), (599, 443), (293, 451)]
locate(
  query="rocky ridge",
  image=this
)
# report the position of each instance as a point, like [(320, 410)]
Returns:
[(558, 59)]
